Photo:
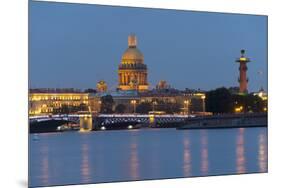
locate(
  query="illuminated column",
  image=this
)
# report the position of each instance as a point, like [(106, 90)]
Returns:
[(138, 78), (243, 80), (126, 79), (122, 77)]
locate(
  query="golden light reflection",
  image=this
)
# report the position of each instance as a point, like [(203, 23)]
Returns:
[(240, 152), (134, 160), (45, 165), (186, 157), (204, 152), (85, 164), (262, 158)]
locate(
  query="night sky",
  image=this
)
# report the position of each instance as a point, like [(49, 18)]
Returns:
[(76, 45)]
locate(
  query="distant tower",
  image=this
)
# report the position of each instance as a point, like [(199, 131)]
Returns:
[(243, 80), (162, 84), (101, 86)]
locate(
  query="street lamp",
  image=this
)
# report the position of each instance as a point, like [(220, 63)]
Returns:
[(186, 103), (203, 102), (134, 102)]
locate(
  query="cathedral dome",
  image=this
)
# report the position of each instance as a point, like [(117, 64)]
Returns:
[(132, 72), (132, 54)]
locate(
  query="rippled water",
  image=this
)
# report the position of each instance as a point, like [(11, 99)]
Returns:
[(125, 155)]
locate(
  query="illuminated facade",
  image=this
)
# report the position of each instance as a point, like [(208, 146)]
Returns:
[(188, 103), (132, 72), (48, 103), (243, 80)]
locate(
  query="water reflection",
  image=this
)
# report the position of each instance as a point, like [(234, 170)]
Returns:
[(85, 164), (204, 152), (262, 157), (146, 154), (240, 152), (134, 160), (45, 164), (186, 156)]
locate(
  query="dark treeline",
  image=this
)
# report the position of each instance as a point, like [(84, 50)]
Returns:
[(221, 100)]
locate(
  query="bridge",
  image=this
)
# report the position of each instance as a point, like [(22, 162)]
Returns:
[(88, 122)]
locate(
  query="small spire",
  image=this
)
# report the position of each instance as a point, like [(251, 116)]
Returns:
[(132, 40)]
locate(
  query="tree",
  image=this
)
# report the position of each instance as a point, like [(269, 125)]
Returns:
[(120, 108), (82, 107), (219, 101), (250, 103), (106, 104), (144, 108)]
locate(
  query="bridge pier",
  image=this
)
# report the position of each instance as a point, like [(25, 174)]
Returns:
[(152, 121), (86, 122)]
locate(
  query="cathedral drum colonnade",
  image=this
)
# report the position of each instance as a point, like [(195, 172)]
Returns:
[(132, 72)]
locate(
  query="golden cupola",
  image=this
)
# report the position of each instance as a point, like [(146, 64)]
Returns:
[(132, 68)]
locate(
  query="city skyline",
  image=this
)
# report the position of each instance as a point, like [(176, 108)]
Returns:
[(68, 52)]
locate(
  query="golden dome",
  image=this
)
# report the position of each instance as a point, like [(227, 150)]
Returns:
[(132, 54)]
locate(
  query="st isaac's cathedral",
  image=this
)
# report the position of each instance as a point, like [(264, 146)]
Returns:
[(132, 72)]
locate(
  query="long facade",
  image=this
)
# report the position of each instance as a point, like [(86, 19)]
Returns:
[(47, 103)]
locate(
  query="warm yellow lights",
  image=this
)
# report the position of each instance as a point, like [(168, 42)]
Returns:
[(151, 119), (186, 106), (44, 103), (133, 101), (238, 109)]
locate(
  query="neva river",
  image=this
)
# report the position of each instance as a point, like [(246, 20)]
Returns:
[(125, 155)]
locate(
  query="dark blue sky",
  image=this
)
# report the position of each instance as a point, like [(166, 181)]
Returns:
[(75, 45)]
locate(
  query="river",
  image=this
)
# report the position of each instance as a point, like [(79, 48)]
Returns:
[(126, 155)]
